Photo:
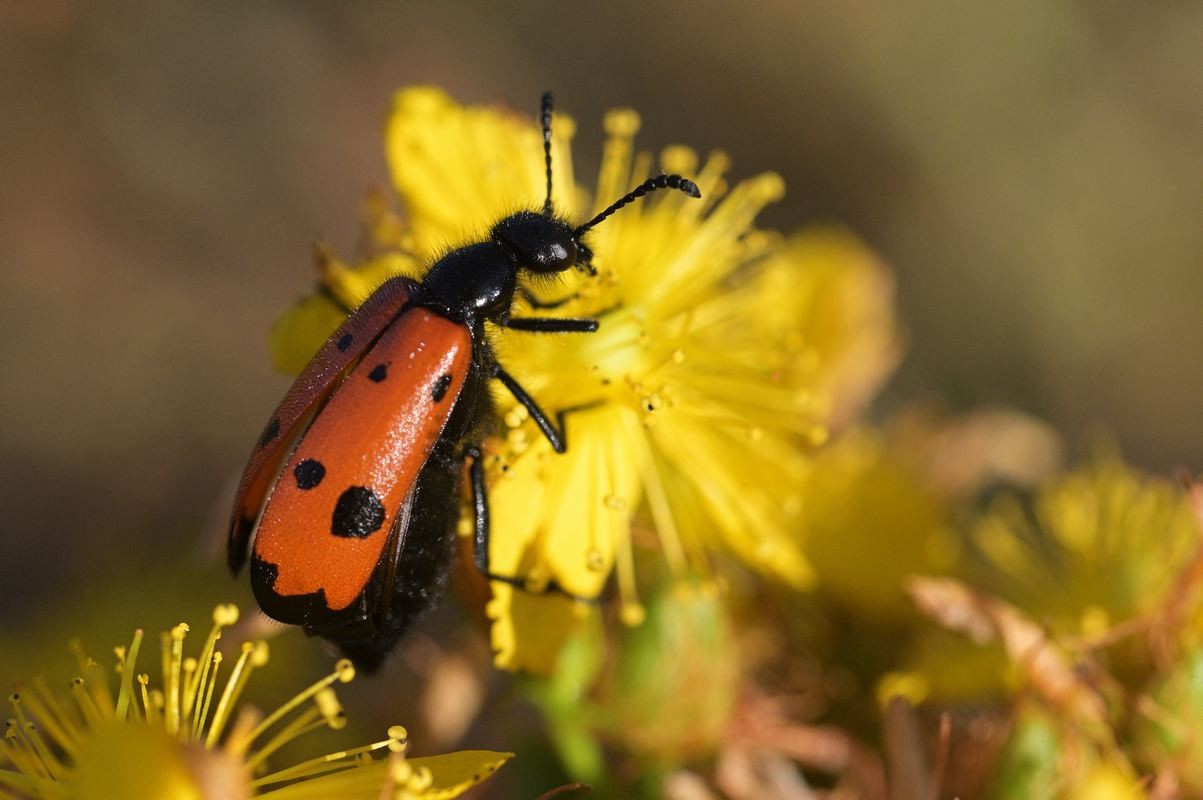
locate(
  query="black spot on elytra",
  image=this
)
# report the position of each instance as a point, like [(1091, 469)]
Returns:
[(378, 373), (309, 473), (358, 513), (270, 433), (440, 387), (344, 342)]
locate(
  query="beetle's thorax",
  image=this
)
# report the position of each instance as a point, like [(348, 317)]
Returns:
[(473, 283), (477, 282)]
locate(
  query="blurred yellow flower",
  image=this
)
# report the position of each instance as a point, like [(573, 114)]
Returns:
[(871, 521), (1097, 547), (191, 738), (723, 355)]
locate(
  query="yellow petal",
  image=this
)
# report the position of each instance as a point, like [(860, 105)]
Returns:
[(461, 169), (453, 774), (305, 325), (529, 630), (300, 330)]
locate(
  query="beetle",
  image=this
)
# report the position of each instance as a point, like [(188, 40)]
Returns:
[(352, 490)]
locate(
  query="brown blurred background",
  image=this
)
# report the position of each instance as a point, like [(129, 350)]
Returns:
[(1032, 170)]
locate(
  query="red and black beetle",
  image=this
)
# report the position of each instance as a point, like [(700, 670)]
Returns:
[(352, 489)]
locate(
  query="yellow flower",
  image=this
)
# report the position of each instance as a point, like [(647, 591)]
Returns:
[(1098, 547), (872, 520), (189, 738), (723, 352)]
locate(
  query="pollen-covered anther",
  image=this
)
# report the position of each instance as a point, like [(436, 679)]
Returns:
[(517, 440), (615, 502), (621, 122), (537, 581), (768, 187), (516, 416), (331, 710), (344, 670), (652, 402), (632, 614), (401, 771), (225, 614), (679, 159), (594, 560)]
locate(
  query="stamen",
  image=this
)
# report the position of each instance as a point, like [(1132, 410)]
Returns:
[(175, 666), (613, 177), (694, 266), (33, 764), (308, 720), (344, 671), (125, 692), (34, 739), (151, 712), (630, 609), (711, 183), (228, 695), (334, 761), (87, 705), (657, 499), (680, 159), (222, 615), (46, 707), (210, 684), (25, 781), (32, 773)]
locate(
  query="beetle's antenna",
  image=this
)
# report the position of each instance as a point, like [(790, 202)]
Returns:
[(650, 185), (547, 148)]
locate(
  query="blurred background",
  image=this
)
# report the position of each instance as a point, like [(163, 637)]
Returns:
[(1031, 171)]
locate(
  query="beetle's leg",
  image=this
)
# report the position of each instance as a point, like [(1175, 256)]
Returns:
[(547, 305), (482, 527), (556, 437), (552, 324), (480, 513)]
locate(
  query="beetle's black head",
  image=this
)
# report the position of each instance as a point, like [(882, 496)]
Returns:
[(539, 242)]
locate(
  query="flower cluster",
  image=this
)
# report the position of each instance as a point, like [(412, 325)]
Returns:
[(724, 355)]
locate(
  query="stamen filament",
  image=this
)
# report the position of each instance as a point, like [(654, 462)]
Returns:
[(211, 683), (86, 704), (172, 674), (45, 707), (224, 706), (320, 764), (343, 672), (152, 713), (308, 720), (31, 763), (127, 676)]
